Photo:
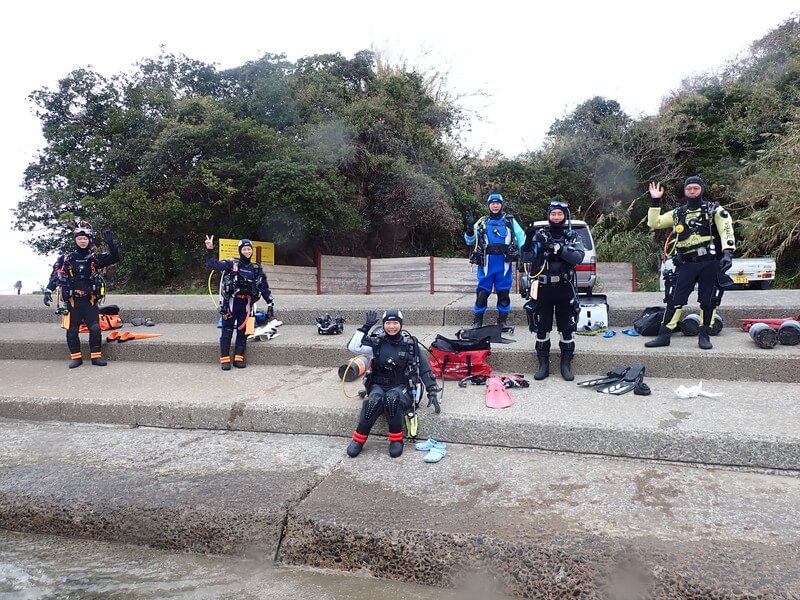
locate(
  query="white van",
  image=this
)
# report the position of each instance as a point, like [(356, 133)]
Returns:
[(586, 271)]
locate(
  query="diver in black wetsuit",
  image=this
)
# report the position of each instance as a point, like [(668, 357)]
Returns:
[(701, 254), (553, 252), (398, 371), (81, 287)]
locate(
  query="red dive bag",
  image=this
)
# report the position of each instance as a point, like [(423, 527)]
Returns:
[(456, 359)]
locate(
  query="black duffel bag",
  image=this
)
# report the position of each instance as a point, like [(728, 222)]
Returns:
[(649, 321)]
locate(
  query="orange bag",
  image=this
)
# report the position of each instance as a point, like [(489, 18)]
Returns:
[(106, 322)]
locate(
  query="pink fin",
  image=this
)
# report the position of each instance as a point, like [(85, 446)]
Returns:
[(497, 395)]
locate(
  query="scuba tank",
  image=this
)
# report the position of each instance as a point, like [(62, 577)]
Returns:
[(789, 333), (763, 335), (690, 325), (355, 368)]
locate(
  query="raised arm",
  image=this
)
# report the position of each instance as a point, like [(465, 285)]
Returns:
[(213, 263), (111, 257), (655, 220)]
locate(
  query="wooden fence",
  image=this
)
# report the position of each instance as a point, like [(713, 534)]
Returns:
[(423, 274), (616, 277)]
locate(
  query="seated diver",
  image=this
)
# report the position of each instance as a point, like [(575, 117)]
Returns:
[(397, 367)]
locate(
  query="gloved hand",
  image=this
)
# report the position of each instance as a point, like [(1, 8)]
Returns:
[(726, 262), (469, 223), (369, 321), (433, 399), (48, 297), (108, 237), (540, 238)]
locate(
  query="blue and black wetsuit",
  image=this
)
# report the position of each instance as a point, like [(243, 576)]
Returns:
[(497, 239), (246, 282)]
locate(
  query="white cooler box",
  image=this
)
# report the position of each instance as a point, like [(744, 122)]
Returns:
[(594, 312)]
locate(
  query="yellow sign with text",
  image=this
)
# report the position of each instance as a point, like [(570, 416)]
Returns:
[(263, 252)]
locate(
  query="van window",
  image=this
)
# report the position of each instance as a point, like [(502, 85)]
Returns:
[(584, 236)]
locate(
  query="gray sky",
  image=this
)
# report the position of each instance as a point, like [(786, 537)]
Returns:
[(536, 62)]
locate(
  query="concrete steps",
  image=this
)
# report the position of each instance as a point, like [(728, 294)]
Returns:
[(566, 494), (735, 357), (484, 520), (753, 424)]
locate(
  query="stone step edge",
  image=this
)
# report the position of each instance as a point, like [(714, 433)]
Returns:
[(728, 449), (448, 316), (765, 365)]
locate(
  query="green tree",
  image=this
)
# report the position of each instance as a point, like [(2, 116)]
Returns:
[(321, 155)]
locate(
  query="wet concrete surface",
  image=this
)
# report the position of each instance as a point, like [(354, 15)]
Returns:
[(549, 526), (524, 523), (41, 567)]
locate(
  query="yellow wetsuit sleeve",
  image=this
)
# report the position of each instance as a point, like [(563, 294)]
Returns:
[(655, 220), (724, 224)]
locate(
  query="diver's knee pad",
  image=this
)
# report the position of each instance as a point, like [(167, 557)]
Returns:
[(481, 298), (373, 405), (394, 403), (503, 299)]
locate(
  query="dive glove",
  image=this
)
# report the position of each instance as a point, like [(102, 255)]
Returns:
[(469, 227), (108, 237), (370, 320), (434, 400), (48, 297), (726, 262)]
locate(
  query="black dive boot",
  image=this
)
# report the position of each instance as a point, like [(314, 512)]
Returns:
[(354, 448), (395, 443), (502, 319), (356, 444), (702, 338), (395, 449), (567, 352), (75, 362), (99, 362), (543, 354), (662, 339), (477, 321)]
